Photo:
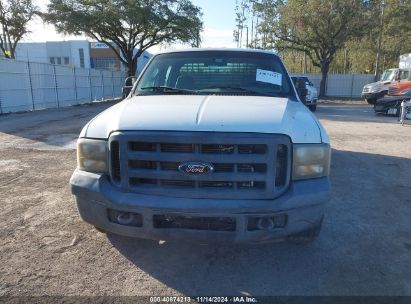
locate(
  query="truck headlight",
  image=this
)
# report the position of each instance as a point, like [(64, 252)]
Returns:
[(92, 155), (311, 161)]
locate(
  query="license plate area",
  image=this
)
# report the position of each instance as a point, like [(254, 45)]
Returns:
[(164, 221)]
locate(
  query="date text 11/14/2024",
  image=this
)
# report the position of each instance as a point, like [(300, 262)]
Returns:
[(203, 299)]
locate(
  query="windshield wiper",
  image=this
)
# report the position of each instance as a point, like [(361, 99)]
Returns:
[(245, 90), (167, 89)]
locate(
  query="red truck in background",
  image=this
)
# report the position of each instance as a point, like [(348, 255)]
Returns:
[(377, 90), (391, 104), (399, 88)]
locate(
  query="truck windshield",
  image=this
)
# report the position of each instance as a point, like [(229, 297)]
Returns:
[(216, 72), (388, 75)]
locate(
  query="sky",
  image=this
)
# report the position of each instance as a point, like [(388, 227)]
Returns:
[(218, 18)]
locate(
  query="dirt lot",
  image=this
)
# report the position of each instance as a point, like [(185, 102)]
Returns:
[(364, 248)]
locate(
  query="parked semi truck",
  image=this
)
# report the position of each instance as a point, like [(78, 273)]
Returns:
[(376, 90)]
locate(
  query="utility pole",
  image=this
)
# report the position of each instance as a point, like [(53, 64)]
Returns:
[(256, 32), (246, 41), (241, 30), (377, 60), (252, 31)]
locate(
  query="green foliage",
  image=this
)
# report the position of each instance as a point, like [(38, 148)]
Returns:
[(339, 36), (319, 28), (358, 53), (396, 35), (242, 8), (14, 16), (128, 24)]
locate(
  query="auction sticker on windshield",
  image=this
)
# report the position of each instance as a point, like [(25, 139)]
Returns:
[(268, 77)]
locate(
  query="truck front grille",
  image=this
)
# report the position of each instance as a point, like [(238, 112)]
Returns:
[(393, 91), (115, 160), (246, 165)]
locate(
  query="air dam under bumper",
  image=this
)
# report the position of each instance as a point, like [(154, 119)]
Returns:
[(303, 204), (373, 96)]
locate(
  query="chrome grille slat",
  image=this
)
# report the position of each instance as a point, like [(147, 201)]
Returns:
[(182, 157), (393, 91), (221, 191), (177, 175), (246, 165)]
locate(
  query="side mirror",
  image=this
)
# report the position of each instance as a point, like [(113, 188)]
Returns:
[(128, 85)]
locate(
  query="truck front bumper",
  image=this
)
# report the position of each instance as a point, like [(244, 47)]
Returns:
[(302, 205), (372, 96), (312, 101)]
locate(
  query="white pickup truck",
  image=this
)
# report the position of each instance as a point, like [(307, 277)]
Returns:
[(210, 145)]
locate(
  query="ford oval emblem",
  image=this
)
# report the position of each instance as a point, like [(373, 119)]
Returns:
[(195, 168)]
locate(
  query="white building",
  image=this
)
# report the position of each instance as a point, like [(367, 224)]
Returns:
[(75, 53)]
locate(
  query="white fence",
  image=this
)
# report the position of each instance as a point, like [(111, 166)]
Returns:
[(26, 86), (341, 85)]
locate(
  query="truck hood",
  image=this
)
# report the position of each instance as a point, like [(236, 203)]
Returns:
[(208, 113), (378, 84)]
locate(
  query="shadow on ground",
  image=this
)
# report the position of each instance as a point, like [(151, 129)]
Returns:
[(353, 113), (54, 127), (362, 250)]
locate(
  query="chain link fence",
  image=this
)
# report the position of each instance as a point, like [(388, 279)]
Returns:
[(28, 86)]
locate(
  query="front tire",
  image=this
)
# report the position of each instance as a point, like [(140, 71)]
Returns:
[(371, 101), (399, 110)]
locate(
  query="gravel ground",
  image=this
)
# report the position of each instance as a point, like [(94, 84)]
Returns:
[(364, 247)]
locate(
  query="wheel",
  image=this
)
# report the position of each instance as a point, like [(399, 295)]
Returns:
[(399, 110), (312, 108), (307, 236), (100, 230), (371, 101), (378, 112)]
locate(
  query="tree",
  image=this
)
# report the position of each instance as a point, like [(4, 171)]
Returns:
[(318, 28), (385, 38), (241, 12), (126, 25), (396, 31), (14, 17), (379, 32)]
